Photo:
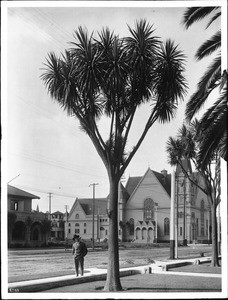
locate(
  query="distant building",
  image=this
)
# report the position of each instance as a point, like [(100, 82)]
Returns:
[(80, 219), (24, 225), (57, 222), (144, 210)]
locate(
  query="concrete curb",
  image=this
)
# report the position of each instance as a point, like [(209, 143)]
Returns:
[(95, 274), (44, 284)]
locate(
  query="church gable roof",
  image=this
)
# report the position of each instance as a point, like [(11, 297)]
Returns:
[(100, 205), (124, 193), (165, 181), (132, 184)]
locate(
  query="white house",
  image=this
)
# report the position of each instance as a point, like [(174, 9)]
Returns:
[(144, 210)]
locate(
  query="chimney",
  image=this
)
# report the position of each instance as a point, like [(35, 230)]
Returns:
[(164, 172)]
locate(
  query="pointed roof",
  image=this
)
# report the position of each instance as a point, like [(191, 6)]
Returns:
[(100, 205), (13, 191), (164, 180), (132, 184), (124, 193), (57, 213)]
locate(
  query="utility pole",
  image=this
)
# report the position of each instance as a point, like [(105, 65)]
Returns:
[(49, 195), (93, 184), (66, 223)]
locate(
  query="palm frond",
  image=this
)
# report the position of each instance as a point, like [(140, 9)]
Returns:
[(214, 18), (209, 46), (169, 84), (213, 128), (174, 150), (141, 48), (194, 14), (206, 84)]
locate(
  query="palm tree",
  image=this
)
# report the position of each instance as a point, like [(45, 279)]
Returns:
[(112, 76), (216, 116), (187, 145)]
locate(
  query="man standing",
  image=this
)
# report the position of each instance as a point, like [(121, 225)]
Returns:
[(79, 251)]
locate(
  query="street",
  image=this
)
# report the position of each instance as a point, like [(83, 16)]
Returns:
[(41, 263)]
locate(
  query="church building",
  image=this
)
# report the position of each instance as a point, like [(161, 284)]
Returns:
[(144, 210)]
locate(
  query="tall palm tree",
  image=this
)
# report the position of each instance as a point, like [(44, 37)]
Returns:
[(213, 78), (112, 76), (187, 145)]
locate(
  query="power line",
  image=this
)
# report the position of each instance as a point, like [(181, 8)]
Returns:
[(54, 163), (38, 30), (43, 191)]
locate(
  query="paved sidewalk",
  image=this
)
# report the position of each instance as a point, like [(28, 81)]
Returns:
[(97, 274)]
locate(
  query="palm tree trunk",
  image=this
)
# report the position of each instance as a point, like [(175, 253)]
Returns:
[(214, 259), (112, 283)]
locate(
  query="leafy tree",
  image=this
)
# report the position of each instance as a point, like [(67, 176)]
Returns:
[(213, 79), (46, 228), (111, 77), (186, 146), (12, 217), (28, 223)]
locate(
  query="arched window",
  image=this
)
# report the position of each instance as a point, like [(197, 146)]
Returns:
[(77, 225), (149, 209), (202, 217), (77, 216), (131, 226), (166, 226)]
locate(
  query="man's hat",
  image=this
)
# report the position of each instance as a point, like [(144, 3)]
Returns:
[(76, 236)]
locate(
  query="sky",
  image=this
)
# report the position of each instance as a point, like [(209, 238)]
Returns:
[(46, 151)]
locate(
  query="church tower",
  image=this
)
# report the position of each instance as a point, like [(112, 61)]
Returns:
[(183, 201)]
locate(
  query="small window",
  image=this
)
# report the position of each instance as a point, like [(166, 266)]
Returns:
[(84, 230), (69, 224), (77, 230), (77, 216), (180, 230), (68, 230), (16, 205), (84, 224)]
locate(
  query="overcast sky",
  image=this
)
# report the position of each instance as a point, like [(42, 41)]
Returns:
[(44, 145)]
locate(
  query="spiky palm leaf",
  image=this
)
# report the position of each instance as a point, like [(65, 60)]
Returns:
[(169, 84), (194, 14), (207, 83), (209, 46), (141, 48), (213, 129), (175, 151)]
